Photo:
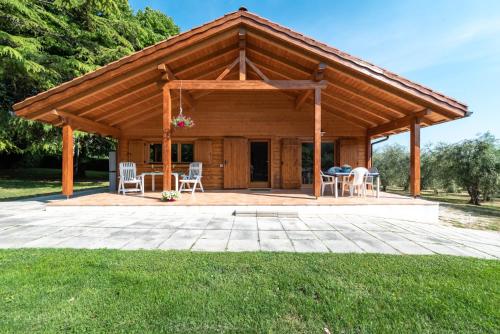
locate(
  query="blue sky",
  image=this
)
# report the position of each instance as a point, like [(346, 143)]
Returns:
[(452, 46)]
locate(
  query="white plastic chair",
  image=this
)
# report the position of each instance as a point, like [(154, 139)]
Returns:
[(193, 178), (326, 180), (357, 181), (370, 179), (128, 175)]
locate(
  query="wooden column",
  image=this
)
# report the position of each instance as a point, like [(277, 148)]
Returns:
[(415, 157), (317, 142), (368, 151), (167, 140), (67, 160)]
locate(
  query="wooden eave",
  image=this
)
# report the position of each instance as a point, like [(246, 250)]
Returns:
[(127, 90)]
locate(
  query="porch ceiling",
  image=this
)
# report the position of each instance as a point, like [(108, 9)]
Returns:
[(129, 90)]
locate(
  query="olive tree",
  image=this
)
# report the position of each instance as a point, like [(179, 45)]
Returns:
[(473, 164), (392, 161)]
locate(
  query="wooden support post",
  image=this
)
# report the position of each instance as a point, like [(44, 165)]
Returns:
[(317, 142), (415, 157), (167, 140), (67, 160), (368, 151), (243, 63)]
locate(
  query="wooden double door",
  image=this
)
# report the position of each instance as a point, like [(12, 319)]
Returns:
[(246, 163)]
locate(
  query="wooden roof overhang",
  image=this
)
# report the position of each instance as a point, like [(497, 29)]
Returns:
[(129, 90)]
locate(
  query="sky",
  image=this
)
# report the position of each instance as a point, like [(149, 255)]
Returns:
[(451, 46)]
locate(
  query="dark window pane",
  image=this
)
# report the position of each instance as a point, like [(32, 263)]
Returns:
[(155, 153), (326, 155), (307, 162), (175, 154), (187, 152)]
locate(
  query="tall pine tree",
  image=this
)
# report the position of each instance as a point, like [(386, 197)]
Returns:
[(46, 42)]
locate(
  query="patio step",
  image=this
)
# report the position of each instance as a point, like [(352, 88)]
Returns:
[(256, 213)]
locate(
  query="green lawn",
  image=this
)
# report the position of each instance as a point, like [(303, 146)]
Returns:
[(29, 182), (156, 291)]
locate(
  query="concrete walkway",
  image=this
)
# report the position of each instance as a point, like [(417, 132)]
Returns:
[(28, 224)]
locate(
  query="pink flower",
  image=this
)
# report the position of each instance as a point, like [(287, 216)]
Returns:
[(181, 124)]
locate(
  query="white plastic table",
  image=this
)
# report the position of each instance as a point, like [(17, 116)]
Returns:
[(341, 174), (153, 174)]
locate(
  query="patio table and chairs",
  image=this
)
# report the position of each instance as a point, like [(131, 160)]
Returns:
[(154, 174), (344, 178)]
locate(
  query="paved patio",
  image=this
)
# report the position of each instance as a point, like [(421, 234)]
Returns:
[(28, 224)]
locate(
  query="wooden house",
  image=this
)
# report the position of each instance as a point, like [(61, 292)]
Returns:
[(271, 107)]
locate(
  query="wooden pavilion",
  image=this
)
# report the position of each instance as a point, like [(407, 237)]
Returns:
[(269, 104)]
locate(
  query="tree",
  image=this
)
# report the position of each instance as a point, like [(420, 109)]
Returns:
[(46, 42), (473, 164), (392, 161)]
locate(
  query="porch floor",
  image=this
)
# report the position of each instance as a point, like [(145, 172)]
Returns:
[(275, 197)]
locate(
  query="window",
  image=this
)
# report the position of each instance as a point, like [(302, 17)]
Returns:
[(181, 153), (308, 159)]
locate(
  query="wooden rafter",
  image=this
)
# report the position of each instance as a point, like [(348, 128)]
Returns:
[(307, 52), (122, 110), (141, 117), (87, 125), (256, 69), (228, 69), (397, 124), (133, 115), (117, 96)]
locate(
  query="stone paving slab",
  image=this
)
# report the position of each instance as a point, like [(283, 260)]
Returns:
[(29, 225)]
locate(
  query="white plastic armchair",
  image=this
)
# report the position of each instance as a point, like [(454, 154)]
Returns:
[(357, 181), (193, 178), (370, 179), (128, 175), (327, 180)]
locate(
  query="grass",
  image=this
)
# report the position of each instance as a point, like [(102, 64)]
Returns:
[(182, 292), (28, 182), (459, 212)]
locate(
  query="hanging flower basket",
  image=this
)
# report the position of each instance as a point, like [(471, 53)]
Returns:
[(182, 121)]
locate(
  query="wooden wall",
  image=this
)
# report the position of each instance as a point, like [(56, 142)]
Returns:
[(254, 115)]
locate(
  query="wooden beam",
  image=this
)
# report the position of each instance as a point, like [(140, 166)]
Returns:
[(87, 125), (316, 76), (317, 142), (242, 45), (397, 124), (256, 70), (415, 157), (167, 72), (302, 98), (319, 72), (67, 160), (246, 84), (166, 140), (228, 69)]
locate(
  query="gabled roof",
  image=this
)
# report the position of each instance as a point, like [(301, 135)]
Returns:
[(358, 91)]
